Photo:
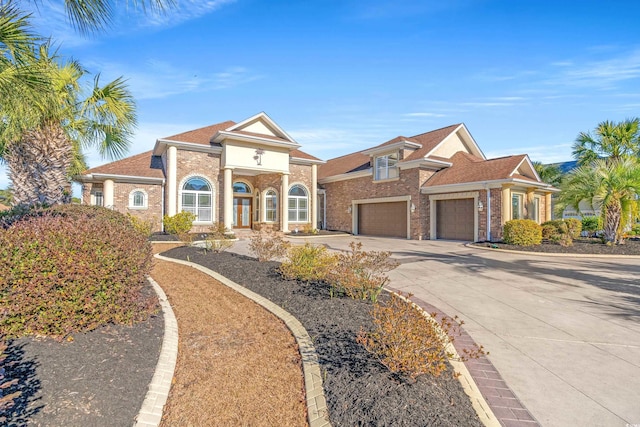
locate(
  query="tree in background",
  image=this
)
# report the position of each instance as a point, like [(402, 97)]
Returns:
[(551, 174), (610, 140), (610, 185)]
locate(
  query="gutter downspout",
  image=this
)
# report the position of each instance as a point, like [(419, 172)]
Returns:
[(162, 206)]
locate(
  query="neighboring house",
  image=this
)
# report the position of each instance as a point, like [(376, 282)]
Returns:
[(436, 185), (586, 209), (246, 175), (252, 175)]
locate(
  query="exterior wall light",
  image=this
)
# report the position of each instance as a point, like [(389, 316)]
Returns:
[(480, 205), (413, 208), (349, 209)]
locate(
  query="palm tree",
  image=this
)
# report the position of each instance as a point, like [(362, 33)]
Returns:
[(611, 140), (41, 159), (551, 174), (612, 186)]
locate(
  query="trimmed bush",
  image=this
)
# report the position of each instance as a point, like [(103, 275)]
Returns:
[(360, 274), (574, 227), (591, 224), (268, 246), (407, 341), (523, 232), (72, 269), (142, 226), (307, 263), (179, 224)]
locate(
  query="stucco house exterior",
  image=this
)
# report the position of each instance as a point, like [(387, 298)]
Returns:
[(253, 175)]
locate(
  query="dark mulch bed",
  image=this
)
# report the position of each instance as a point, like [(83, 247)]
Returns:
[(359, 389), (98, 379), (580, 246)]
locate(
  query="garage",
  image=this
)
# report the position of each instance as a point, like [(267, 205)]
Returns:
[(454, 219), (387, 219)]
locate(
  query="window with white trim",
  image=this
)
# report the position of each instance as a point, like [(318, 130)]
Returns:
[(271, 206), (138, 199), (535, 210), (98, 198), (517, 206), (386, 167), (197, 198), (298, 204)]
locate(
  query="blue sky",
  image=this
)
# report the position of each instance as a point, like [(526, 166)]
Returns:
[(344, 75)]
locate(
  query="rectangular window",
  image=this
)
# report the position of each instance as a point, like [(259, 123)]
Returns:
[(516, 206), (204, 207), (386, 167), (270, 208), (99, 200), (535, 207)]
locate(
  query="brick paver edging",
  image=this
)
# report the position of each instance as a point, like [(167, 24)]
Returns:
[(151, 411), (317, 412), (485, 378), (551, 254)]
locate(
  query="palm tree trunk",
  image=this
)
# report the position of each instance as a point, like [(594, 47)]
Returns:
[(38, 166), (613, 213)]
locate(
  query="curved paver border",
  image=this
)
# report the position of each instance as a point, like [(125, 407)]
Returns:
[(550, 254), (151, 412), (493, 400), (317, 412)]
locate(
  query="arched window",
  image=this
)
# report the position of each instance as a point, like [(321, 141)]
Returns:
[(197, 198), (241, 187), (298, 204), (271, 206), (138, 199)]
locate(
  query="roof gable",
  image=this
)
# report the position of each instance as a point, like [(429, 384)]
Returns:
[(458, 140), (260, 125)]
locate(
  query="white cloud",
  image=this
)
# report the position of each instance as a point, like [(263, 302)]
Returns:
[(542, 153), (159, 79), (185, 10)]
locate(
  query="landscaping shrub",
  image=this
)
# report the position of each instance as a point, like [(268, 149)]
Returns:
[(574, 227), (309, 229), (219, 231), (591, 224), (72, 269), (562, 239), (16, 213), (360, 274), (219, 238), (268, 246), (142, 226), (408, 342), (307, 263), (179, 224), (523, 232)]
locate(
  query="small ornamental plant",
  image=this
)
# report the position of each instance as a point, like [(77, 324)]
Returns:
[(268, 246), (523, 232), (360, 274), (307, 263), (409, 342), (179, 224)]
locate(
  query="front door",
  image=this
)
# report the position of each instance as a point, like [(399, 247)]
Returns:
[(242, 212)]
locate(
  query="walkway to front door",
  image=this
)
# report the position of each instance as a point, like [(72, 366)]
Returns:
[(242, 212)]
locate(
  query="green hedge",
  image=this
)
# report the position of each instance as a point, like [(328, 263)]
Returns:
[(523, 232), (72, 268)]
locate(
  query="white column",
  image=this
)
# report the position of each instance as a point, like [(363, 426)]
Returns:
[(314, 196), (547, 207), (172, 190), (506, 203), (284, 205), (108, 193), (228, 198)]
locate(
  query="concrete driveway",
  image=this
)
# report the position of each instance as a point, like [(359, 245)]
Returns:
[(563, 332)]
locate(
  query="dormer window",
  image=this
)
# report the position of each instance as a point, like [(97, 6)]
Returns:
[(386, 167)]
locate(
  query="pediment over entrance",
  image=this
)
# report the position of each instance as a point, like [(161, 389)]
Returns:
[(259, 130)]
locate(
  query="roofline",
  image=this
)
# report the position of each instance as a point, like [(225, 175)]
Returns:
[(192, 146), (251, 138), (495, 183), (268, 119), (424, 162), (526, 157), (346, 176), (132, 178), (460, 126), (383, 149), (303, 161)]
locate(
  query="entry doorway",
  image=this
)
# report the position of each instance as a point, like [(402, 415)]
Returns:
[(242, 212)]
